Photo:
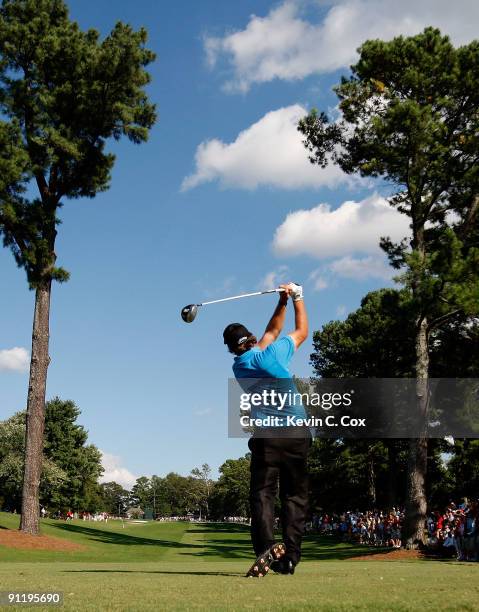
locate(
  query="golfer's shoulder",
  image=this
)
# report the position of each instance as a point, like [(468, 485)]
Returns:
[(283, 344), (278, 348)]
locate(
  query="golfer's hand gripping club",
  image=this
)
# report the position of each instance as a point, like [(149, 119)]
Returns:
[(296, 291)]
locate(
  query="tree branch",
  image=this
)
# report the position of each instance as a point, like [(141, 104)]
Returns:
[(442, 319), (470, 218), (42, 185), (18, 239), (29, 128), (52, 183)]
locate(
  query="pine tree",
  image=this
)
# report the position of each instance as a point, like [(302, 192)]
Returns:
[(410, 116), (63, 94)]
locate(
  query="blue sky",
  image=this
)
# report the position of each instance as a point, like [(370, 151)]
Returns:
[(221, 200)]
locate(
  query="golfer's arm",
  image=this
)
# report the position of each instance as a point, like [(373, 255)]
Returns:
[(300, 334), (275, 325)]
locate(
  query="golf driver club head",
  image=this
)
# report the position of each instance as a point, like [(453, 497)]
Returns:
[(188, 313)]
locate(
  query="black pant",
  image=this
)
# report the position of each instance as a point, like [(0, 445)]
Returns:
[(284, 459)]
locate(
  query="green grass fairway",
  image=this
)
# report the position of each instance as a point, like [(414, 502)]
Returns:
[(182, 566)]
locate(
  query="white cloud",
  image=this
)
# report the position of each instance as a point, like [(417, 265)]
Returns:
[(319, 281), (341, 310), (351, 268), (362, 268), (269, 152), (274, 278), (320, 284), (353, 227), (115, 472), (284, 45), (16, 359)]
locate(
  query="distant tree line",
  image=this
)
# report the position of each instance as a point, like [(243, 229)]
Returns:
[(196, 494)]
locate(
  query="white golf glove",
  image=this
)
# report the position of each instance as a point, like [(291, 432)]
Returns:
[(296, 292)]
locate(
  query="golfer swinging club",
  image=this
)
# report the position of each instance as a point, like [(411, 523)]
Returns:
[(275, 456)]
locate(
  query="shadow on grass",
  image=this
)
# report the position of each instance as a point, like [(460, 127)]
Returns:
[(216, 543), (330, 548), (121, 539), (219, 527), (428, 556), (94, 571), (315, 547), (222, 547), (226, 541)]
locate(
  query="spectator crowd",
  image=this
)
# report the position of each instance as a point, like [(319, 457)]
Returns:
[(373, 527), (451, 532), (455, 532)]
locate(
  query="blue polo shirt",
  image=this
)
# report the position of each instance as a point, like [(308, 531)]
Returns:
[(271, 363)]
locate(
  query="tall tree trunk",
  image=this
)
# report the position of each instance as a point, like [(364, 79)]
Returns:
[(416, 503), (392, 497), (36, 410), (371, 477)]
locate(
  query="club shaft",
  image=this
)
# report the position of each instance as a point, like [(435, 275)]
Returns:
[(243, 295)]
